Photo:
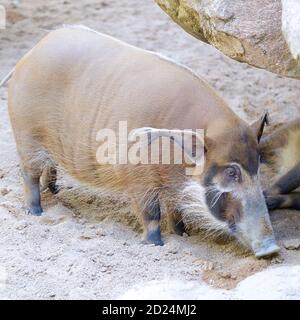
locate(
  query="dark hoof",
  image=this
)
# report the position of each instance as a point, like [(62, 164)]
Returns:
[(35, 211), (154, 237), (180, 228)]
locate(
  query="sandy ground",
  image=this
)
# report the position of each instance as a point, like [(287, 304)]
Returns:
[(86, 246)]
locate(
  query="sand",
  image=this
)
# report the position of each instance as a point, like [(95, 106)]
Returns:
[(88, 246)]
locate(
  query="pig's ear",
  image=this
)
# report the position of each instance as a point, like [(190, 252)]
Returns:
[(258, 126), (191, 142)]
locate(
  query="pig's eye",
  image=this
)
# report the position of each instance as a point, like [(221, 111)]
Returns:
[(233, 173)]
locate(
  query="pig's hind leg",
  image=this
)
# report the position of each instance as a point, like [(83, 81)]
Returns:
[(32, 193), (33, 158)]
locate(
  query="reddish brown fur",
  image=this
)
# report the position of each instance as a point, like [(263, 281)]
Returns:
[(77, 81), (281, 152)]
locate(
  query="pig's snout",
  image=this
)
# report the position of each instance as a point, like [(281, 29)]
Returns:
[(266, 247), (255, 226)]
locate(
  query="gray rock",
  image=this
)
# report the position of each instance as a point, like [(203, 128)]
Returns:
[(247, 31), (293, 244), (291, 26), (4, 191)]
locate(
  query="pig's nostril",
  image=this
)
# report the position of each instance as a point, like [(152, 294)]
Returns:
[(266, 248)]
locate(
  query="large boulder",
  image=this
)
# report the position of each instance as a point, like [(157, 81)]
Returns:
[(247, 31), (291, 26)]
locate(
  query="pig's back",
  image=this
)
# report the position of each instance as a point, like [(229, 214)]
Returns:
[(76, 82)]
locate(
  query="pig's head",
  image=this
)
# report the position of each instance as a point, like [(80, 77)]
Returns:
[(231, 182), (227, 195)]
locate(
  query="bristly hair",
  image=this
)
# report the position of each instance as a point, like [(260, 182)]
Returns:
[(195, 211)]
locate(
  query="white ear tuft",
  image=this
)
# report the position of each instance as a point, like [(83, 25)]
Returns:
[(191, 142)]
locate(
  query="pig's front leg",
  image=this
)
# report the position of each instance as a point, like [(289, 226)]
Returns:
[(284, 201), (151, 215)]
